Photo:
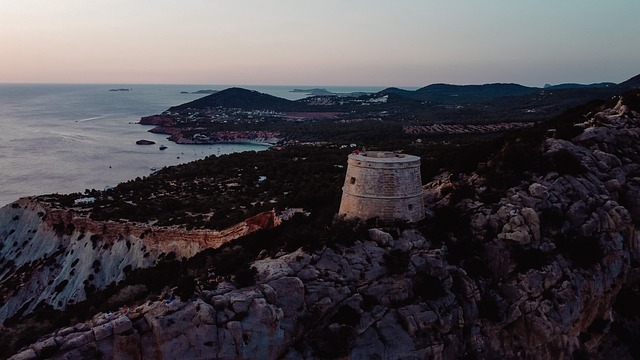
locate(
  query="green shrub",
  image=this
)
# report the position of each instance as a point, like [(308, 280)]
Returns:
[(346, 315), (61, 286), (396, 261), (567, 163), (583, 252), (427, 287), (333, 342), (127, 295), (527, 259), (186, 287), (246, 276)]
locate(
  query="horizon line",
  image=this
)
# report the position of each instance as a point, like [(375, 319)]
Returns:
[(303, 85)]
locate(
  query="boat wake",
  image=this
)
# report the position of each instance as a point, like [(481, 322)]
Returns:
[(93, 118)]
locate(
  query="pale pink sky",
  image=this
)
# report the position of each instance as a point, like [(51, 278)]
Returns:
[(329, 42)]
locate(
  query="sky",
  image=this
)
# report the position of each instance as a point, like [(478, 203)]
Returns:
[(329, 42)]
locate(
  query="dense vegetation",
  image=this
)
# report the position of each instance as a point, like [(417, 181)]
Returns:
[(220, 191), (217, 192)]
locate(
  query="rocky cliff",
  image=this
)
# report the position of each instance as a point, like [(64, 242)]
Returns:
[(535, 272), (56, 256)]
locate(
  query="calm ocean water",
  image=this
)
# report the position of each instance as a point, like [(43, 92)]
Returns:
[(68, 138)]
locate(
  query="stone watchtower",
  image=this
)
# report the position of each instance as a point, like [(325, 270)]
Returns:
[(382, 184)]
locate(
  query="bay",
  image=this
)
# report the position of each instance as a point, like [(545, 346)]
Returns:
[(68, 138), (63, 138)]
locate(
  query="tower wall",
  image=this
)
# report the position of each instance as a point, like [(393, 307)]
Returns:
[(384, 185)]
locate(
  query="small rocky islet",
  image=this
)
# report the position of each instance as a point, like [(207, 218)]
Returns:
[(145, 142)]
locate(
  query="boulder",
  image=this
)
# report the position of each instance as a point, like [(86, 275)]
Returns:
[(380, 237)]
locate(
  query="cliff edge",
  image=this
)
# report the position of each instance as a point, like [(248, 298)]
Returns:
[(55, 257)]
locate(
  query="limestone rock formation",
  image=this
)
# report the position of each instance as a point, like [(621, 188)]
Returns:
[(56, 257)]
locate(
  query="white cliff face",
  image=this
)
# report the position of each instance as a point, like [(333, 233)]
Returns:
[(55, 257), (55, 268)]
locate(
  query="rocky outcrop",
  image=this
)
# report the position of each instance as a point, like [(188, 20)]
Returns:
[(352, 302), (560, 246), (145, 142), (158, 120), (55, 256), (309, 299)]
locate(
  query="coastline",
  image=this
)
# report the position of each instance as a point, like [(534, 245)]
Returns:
[(176, 135), (234, 142), (89, 134)]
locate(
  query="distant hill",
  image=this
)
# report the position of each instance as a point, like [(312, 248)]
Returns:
[(579, 86), (470, 94), (462, 94), (486, 90), (243, 99), (633, 83), (397, 91), (436, 103)]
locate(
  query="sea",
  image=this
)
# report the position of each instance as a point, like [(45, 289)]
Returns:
[(66, 138)]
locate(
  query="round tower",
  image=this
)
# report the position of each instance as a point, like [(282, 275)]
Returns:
[(382, 184)]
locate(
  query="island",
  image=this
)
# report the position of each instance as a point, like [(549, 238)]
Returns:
[(206, 91), (325, 92), (315, 92)]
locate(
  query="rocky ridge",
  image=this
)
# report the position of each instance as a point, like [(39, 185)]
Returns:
[(542, 271)]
